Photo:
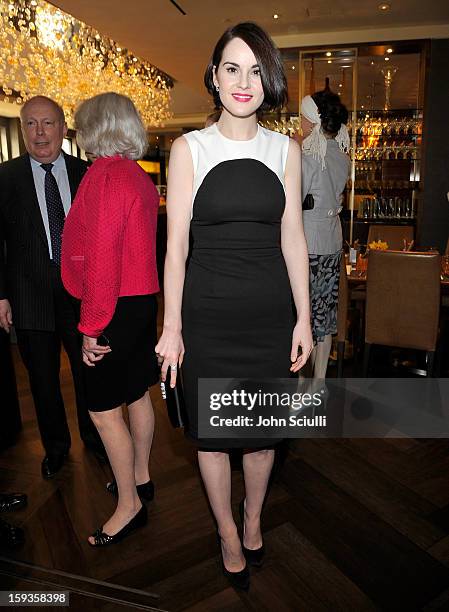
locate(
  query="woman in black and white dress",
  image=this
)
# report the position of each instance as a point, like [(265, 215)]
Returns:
[(235, 185)]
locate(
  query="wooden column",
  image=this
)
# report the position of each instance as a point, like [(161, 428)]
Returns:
[(433, 226)]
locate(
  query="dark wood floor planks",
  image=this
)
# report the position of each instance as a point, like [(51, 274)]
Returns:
[(349, 525), (382, 562), (392, 501)]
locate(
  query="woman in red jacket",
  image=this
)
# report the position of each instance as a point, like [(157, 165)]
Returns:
[(109, 264)]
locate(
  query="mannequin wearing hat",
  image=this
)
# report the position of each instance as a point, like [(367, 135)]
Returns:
[(325, 170)]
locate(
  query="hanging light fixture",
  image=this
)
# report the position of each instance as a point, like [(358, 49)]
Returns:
[(48, 52)]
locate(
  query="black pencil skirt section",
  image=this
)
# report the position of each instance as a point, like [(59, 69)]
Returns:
[(124, 374)]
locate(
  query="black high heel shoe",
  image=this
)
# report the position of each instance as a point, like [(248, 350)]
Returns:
[(254, 557), (104, 539), (238, 580), (145, 491)]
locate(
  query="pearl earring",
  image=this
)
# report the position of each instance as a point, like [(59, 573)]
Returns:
[(217, 87)]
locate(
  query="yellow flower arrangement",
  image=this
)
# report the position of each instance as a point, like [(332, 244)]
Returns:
[(378, 245)]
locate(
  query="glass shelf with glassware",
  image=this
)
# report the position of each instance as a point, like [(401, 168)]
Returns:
[(387, 209), (387, 164), (389, 123), (388, 135)]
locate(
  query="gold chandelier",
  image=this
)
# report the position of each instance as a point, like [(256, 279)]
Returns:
[(44, 51)]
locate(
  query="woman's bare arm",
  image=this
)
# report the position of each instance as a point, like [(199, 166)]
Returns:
[(179, 206), (294, 250)]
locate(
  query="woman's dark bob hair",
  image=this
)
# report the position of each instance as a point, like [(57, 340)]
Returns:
[(268, 57)]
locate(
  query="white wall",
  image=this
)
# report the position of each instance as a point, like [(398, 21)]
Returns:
[(362, 35)]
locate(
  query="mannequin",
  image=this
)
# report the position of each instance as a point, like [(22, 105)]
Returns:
[(325, 168)]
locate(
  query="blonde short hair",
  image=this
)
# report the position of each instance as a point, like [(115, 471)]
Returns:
[(109, 124)]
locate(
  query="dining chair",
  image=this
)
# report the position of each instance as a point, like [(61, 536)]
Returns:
[(393, 235), (402, 302)]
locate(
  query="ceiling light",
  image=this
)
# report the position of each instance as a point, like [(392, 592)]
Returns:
[(384, 7), (293, 67), (389, 50), (387, 59), (340, 85), (346, 66), (372, 63), (58, 41), (362, 106), (328, 54), (276, 16), (329, 61)]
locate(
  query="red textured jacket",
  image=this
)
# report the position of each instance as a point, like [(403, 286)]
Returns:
[(109, 240)]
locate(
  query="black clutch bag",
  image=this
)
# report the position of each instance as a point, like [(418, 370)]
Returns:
[(174, 400), (309, 202)]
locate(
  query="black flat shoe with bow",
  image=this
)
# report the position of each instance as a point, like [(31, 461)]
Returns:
[(254, 557), (145, 491), (12, 501), (10, 535), (104, 539)]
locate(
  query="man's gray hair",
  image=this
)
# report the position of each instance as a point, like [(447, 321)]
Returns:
[(109, 124), (59, 110)]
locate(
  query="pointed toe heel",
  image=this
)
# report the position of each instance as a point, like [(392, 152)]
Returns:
[(146, 491), (253, 557), (238, 580)]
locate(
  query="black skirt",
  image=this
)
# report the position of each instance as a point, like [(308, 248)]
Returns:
[(124, 374)]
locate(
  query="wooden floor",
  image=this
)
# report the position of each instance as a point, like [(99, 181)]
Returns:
[(350, 525)]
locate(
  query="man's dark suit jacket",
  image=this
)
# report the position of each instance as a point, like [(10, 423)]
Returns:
[(25, 272)]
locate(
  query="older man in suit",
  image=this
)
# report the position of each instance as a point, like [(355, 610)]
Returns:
[(36, 192)]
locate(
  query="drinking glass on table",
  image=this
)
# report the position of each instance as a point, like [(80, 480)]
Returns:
[(408, 246), (348, 265)]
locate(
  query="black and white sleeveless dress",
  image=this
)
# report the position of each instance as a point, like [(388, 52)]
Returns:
[(237, 308)]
